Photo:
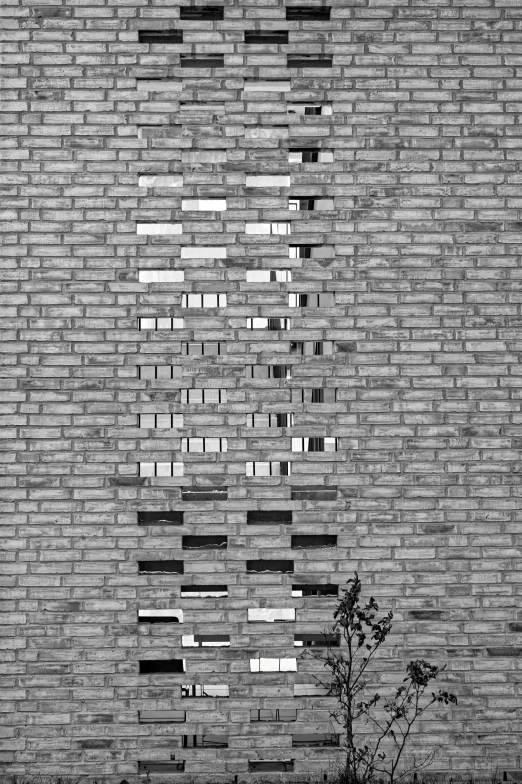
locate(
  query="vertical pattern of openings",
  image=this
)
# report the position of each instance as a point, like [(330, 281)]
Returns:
[(248, 387)]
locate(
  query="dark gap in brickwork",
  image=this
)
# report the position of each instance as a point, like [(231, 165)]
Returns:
[(202, 61), (205, 741), (204, 494), (152, 619), (309, 109), (210, 12), (317, 640), (269, 371), (152, 666), (313, 540), (160, 36), (167, 567), (204, 542), (266, 766), (273, 714), (307, 13), (266, 37), (319, 739), (210, 640), (266, 565), (188, 591), (309, 154), (308, 61), (258, 517), (160, 518), (311, 589), (197, 691), (306, 251)]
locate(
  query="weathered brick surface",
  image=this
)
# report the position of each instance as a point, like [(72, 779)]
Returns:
[(422, 253)]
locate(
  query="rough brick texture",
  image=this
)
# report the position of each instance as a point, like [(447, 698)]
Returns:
[(417, 235)]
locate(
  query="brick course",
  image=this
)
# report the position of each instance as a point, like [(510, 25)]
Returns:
[(421, 252)]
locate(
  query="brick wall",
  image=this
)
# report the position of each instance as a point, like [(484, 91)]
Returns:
[(119, 159)]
